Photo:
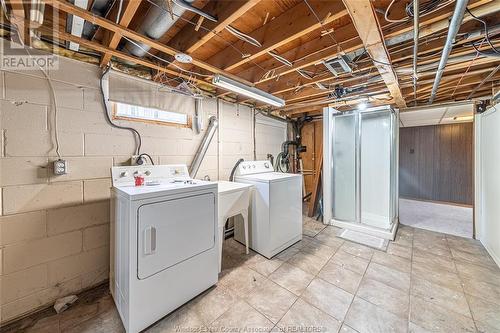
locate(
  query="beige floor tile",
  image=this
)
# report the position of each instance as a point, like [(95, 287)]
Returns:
[(347, 329), (403, 240), (291, 278), (433, 261), (438, 276), (241, 317), (399, 250), (303, 317), (271, 300), (242, 280), (478, 273), (329, 237), (388, 298), (466, 244), (106, 322), (263, 265), (357, 250), (414, 328), (364, 316), (437, 319), (311, 227), (328, 298), (184, 319), (341, 277), (431, 243), (447, 298), (318, 249), (486, 291), (350, 262), (308, 262), (389, 276), (287, 254), (476, 259), (392, 261), (212, 303), (485, 312)]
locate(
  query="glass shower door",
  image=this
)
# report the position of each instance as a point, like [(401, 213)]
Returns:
[(344, 170)]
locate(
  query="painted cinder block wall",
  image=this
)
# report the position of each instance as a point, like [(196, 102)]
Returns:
[(54, 230)]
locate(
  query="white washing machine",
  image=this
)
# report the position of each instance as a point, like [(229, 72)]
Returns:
[(163, 242), (276, 208)]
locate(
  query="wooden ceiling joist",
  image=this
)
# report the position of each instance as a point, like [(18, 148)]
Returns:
[(291, 25), (109, 25), (366, 22), (129, 11), (189, 40)]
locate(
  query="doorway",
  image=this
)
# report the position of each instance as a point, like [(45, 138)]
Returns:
[(436, 169)]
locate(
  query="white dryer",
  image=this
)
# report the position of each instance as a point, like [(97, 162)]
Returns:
[(163, 242), (276, 208)]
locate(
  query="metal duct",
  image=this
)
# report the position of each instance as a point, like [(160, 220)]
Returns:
[(156, 23), (186, 4), (213, 123), (456, 21)]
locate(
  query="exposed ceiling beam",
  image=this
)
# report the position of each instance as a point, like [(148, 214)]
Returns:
[(188, 40), (292, 24), (109, 25), (129, 11), (349, 43), (366, 22), (17, 18), (121, 55)]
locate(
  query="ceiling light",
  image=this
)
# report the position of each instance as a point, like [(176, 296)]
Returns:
[(183, 58), (362, 106), (240, 88), (463, 118)]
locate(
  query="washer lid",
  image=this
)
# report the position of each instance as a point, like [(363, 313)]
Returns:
[(270, 176)]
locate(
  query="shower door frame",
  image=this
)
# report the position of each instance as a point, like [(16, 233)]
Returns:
[(329, 114)]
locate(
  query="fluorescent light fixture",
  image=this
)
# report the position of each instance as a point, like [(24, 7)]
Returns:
[(240, 88), (362, 106), (463, 118)]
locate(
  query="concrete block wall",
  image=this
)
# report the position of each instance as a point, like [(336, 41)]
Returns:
[(54, 230)]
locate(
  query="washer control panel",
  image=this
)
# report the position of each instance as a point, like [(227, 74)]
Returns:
[(253, 167), (124, 175)]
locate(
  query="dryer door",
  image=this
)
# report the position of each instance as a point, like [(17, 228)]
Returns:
[(172, 231)]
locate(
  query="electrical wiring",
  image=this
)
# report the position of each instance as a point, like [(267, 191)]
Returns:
[(486, 32), (51, 87), (148, 156), (215, 33), (108, 118), (164, 60), (386, 14)]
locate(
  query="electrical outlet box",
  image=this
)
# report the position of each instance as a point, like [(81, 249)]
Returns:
[(60, 167), (143, 161)]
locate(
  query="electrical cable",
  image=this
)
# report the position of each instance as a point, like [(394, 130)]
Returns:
[(486, 33), (164, 60), (118, 16), (108, 118), (147, 155), (386, 14), (52, 90)]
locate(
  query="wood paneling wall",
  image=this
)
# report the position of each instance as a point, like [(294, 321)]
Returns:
[(312, 138), (436, 163)]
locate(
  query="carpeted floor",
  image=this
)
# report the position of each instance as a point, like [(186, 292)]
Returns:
[(448, 219)]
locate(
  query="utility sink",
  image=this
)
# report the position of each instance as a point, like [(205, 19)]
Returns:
[(234, 199)]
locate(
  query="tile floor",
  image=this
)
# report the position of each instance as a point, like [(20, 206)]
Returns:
[(425, 282)]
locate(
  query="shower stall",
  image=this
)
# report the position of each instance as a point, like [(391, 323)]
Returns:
[(360, 170)]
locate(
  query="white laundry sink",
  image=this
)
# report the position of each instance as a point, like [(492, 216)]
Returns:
[(234, 199)]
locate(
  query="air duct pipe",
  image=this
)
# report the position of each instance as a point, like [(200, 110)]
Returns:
[(213, 123), (456, 21), (156, 23)]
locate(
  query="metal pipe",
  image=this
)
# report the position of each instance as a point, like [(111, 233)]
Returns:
[(456, 20), (416, 10), (186, 5), (213, 123)]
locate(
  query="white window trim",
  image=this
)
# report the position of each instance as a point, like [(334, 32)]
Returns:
[(183, 120)]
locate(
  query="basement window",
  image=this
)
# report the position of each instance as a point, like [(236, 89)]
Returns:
[(143, 114)]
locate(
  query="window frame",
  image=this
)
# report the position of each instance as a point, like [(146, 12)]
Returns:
[(149, 121)]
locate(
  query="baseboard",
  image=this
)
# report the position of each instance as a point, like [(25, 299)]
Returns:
[(496, 258)]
